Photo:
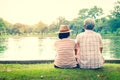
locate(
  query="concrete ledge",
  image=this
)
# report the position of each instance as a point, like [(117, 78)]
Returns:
[(113, 61), (26, 62), (42, 61)]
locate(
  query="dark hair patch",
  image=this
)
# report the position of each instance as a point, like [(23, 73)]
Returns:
[(90, 27), (63, 35)]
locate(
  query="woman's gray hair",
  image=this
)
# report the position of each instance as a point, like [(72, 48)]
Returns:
[(89, 23)]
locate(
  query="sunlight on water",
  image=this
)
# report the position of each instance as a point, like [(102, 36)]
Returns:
[(106, 49), (29, 48), (33, 48)]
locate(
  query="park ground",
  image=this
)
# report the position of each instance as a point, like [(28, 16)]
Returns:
[(46, 71)]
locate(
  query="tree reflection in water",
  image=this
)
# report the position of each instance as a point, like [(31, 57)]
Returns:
[(33, 48)]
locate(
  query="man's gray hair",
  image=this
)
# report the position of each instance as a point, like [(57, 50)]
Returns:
[(89, 23)]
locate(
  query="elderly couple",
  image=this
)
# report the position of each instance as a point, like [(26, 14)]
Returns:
[(85, 52)]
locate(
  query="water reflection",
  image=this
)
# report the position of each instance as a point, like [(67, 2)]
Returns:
[(2, 47), (29, 48), (33, 48), (107, 52), (111, 48), (115, 47)]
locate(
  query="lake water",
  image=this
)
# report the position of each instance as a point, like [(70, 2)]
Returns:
[(33, 48)]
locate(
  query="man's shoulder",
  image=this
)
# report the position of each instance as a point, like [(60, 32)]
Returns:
[(97, 33)]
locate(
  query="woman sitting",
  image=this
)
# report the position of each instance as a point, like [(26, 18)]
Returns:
[(65, 48)]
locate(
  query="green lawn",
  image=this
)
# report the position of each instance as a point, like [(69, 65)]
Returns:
[(48, 72)]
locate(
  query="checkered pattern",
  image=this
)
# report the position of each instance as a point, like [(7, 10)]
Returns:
[(88, 44), (65, 53)]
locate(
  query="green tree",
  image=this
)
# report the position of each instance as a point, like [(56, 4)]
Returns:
[(28, 29), (118, 32), (83, 13), (40, 27), (116, 11), (53, 27), (2, 26), (61, 20), (114, 21), (8, 27), (114, 24), (76, 25), (95, 12), (18, 28)]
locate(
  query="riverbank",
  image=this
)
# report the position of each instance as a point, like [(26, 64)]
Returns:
[(46, 71), (44, 61)]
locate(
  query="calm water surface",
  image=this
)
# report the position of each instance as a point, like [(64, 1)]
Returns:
[(33, 48)]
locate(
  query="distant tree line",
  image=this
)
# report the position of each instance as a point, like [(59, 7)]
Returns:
[(107, 25)]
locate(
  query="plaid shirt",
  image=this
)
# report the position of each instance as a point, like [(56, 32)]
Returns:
[(89, 55), (65, 53)]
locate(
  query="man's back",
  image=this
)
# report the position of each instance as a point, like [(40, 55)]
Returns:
[(89, 55)]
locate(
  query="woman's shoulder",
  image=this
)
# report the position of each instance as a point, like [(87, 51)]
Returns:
[(57, 41), (72, 40)]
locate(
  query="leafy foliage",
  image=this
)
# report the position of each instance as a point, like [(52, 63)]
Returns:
[(105, 25)]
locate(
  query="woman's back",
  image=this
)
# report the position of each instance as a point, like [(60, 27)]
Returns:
[(65, 53)]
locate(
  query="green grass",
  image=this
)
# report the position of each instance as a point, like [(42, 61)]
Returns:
[(48, 72)]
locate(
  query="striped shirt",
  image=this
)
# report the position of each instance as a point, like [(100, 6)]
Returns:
[(65, 53), (89, 55)]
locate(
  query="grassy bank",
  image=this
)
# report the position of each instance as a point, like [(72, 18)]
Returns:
[(48, 72)]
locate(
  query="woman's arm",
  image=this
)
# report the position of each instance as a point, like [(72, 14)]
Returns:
[(101, 48)]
